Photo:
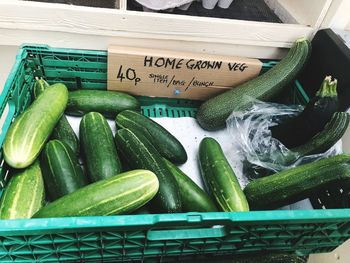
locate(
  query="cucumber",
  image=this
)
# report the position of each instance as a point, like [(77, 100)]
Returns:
[(213, 113), (332, 132), (144, 210), (193, 198), (31, 129), (167, 145), (39, 86), (219, 177), (24, 194), (120, 194), (63, 131), (61, 170), (108, 103), (98, 147), (292, 185), (142, 155)]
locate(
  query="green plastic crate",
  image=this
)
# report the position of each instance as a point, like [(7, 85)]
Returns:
[(154, 238)]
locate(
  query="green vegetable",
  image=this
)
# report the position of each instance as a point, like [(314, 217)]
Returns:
[(24, 194), (39, 86), (298, 183), (298, 130), (63, 131), (98, 147), (193, 198), (219, 177), (332, 132), (142, 155), (213, 113), (166, 144), (61, 170), (120, 194), (31, 129), (108, 103)]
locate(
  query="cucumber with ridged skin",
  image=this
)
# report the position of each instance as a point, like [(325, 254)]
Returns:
[(62, 131), (332, 132), (213, 113), (65, 133), (61, 170), (98, 147), (193, 198), (297, 183), (120, 194), (220, 178), (39, 86), (143, 155), (108, 103), (24, 194), (167, 145), (32, 128)]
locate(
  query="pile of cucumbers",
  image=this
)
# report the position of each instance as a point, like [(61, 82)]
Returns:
[(56, 174), (133, 170)]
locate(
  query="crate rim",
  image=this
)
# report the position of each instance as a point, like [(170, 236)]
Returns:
[(271, 215), (154, 223), (20, 226)]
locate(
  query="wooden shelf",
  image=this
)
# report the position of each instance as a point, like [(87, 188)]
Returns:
[(71, 26)]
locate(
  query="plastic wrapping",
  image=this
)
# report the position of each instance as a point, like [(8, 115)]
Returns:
[(260, 153)]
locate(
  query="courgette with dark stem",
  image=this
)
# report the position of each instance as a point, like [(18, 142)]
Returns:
[(319, 110)]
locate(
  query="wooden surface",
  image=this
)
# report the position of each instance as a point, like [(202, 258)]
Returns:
[(174, 74), (95, 28)]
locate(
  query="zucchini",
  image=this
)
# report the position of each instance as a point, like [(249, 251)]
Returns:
[(219, 177), (143, 155), (213, 113), (61, 170), (298, 183), (332, 132), (62, 131), (298, 130), (120, 194), (24, 194), (167, 145), (98, 147), (31, 129), (108, 103), (193, 198)]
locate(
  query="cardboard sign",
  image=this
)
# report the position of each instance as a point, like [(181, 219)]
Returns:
[(172, 74)]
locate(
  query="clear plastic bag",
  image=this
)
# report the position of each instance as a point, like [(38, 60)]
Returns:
[(260, 153)]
